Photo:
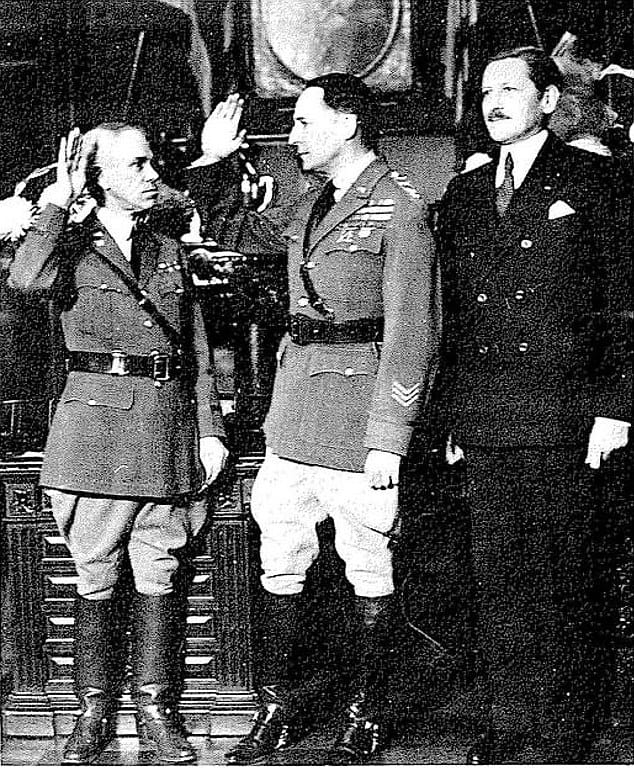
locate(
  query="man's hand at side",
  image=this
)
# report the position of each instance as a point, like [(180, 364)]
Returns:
[(382, 469), (607, 435), (213, 456)]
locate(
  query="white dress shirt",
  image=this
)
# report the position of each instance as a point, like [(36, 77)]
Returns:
[(523, 153), (119, 226), (348, 175)]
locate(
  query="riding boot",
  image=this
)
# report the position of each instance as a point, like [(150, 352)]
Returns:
[(94, 661), (361, 736), (275, 722), (156, 669)]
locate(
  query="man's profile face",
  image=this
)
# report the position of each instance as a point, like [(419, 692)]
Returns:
[(512, 107), (319, 132), (127, 175)]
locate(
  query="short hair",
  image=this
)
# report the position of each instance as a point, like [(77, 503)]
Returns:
[(542, 69), (349, 94), (91, 143)]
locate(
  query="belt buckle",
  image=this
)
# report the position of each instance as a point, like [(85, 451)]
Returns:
[(118, 363), (299, 330), (160, 367)]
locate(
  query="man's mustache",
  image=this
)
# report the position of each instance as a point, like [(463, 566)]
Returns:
[(496, 114)]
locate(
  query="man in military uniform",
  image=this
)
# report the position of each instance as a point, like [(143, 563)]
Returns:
[(352, 371), (535, 390), (138, 416)]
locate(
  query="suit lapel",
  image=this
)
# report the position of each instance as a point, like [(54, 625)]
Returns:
[(529, 203), (354, 198)]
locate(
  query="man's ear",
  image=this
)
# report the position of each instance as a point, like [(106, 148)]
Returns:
[(349, 122), (549, 99)]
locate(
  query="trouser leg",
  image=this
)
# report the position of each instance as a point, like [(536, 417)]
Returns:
[(532, 514)]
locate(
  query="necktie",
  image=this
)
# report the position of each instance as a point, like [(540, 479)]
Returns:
[(135, 252), (504, 193), (323, 204)]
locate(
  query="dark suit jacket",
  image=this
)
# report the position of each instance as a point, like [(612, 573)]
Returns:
[(120, 435), (371, 256), (535, 305)]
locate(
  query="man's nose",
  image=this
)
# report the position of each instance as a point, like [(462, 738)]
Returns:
[(292, 136), (151, 174)]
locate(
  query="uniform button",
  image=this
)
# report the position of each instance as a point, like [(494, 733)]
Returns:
[(354, 247), (362, 190), (526, 244), (294, 238), (92, 402), (348, 372), (483, 349), (162, 265), (303, 302), (482, 298), (103, 286), (148, 323), (158, 384), (310, 264), (472, 254), (520, 295), (522, 347)]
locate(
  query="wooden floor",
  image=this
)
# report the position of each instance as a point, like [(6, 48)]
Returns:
[(414, 748)]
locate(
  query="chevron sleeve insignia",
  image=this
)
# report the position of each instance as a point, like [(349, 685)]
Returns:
[(405, 396)]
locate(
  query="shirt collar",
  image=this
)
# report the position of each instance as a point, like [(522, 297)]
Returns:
[(348, 175), (119, 226), (523, 153)]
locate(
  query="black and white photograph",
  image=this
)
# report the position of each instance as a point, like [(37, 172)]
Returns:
[(316, 382)]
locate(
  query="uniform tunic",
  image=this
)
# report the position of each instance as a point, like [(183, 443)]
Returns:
[(370, 257), (120, 435)]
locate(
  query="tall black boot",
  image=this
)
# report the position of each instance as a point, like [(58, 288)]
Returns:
[(362, 733), (95, 659), (158, 640), (274, 725)]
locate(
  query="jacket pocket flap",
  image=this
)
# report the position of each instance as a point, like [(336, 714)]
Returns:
[(96, 389), (344, 362)]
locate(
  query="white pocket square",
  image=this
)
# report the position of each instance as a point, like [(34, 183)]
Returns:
[(559, 209)]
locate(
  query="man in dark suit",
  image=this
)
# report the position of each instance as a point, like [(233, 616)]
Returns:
[(352, 372), (534, 391), (137, 417)]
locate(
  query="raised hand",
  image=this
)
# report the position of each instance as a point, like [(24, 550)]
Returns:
[(71, 172), (221, 134)]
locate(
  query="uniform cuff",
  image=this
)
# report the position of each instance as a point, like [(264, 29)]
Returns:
[(387, 436)]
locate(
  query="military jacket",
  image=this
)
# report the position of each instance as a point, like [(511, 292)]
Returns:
[(535, 305), (370, 257), (123, 436)]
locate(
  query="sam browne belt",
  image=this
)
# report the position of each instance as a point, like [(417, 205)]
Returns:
[(160, 367), (304, 330)]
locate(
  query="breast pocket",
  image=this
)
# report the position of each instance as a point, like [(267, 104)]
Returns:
[(339, 392), (95, 306)]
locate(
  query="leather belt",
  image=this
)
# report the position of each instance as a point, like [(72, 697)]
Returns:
[(304, 330), (160, 367)]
